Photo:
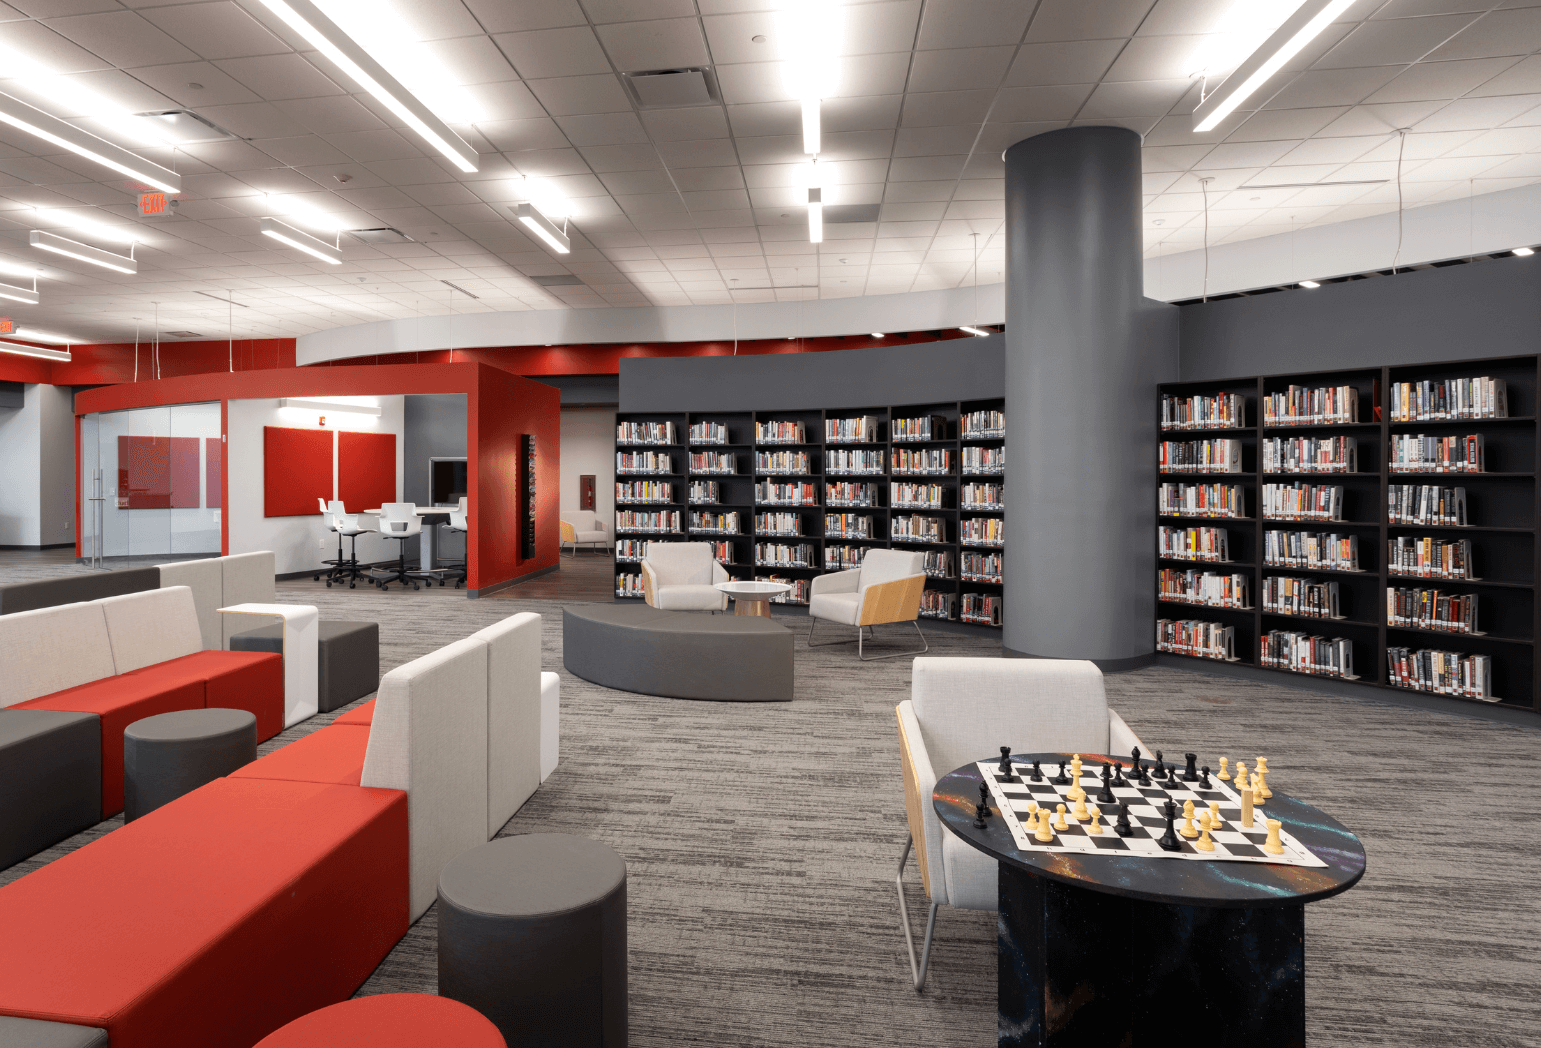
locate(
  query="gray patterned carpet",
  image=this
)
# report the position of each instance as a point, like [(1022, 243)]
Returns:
[(761, 842)]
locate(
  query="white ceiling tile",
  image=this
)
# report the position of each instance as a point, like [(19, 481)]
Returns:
[(1058, 20), (1015, 104), (123, 38), (1500, 142), (303, 150), (926, 168), (1157, 58), (662, 44), (370, 146), (686, 124), (717, 201), (1331, 87), (471, 60), (935, 141), (275, 77), (703, 178), (746, 84), (570, 95), (863, 113), (500, 16), (1395, 41), (1153, 98), (945, 107), (710, 153), (600, 11), (1184, 17), (1440, 80), (254, 120), (217, 30), (1479, 114), (972, 23), (1279, 124), (1523, 77), (636, 157), (766, 118), (49, 48), (605, 129), (330, 114), (1516, 32), (1379, 119), (546, 53), (510, 100), (215, 87), (787, 149), (1244, 154), (1071, 62), (731, 37), (960, 68), (1332, 150), (914, 212), (1528, 166), (636, 183)]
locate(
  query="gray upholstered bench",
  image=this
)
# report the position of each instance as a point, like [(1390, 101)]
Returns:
[(347, 658), (678, 654), (50, 780), (35, 1033)]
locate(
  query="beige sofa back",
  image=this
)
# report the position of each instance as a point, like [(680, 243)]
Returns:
[(219, 582), (513, 715), (153, 626), (51, 649)]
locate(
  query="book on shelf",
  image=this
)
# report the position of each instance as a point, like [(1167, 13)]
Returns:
[(779, 433), (939, 563), (982, 495), (1441, 672), (1300, 652), (1310, 455), (667, 521), (1315, 550), (1426, 504), (714, 523), (982, 609), (982, 531), (1319, 406), (1205, 640), (629, 585), (724, 462), (846, 494), (1302, 502), (798, 594), (708, 433), (924, 427), (922, 461), (938, 604), (631, 550), (983, 425), (984, 460), (861, 462), (1210, 544), (1309, 597), (705, 492), (722, 552), (1217, 455), (1201, 500), (643, 462), (1430, 609), (1436, 400), (645, 433), (1221, 411), (1426, 557), (784, 555), (769, 493), (1417, 453), (839, 558), (911, 528), (862, 429), (980, 567), (908, 495), (778, 523), (848, 526), (792, 462), (1212, 589), (655, 491)]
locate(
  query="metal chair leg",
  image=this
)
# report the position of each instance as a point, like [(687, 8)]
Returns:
[(925, 647), (826, 643), (917, 971)]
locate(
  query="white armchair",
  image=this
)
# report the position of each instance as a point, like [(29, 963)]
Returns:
[(964, 710), (583, 527), (886, 588), (681, 576)]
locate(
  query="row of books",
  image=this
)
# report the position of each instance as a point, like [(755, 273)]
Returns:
[(983, 609), (643, 462), (848, 526), (981, 567), (1219, 455), (1426, 504), (769, 493), (1305, 653), (644, 491), (629, 584), (645, 433), (1318, 406), (983, 425), (1429, 609), (975, 495), (705, 492), (860, 430), (1427, 557), (797, 595), (778, 523), (630, 550), (1302, 502), (784, 555), (657, 521), (1201, 500), (1431, 400), (853, 462), (918, 529), (982, 531), (984, 460), (713, 462), (926, 427), (916, 496), (1310, 455), (722, 552), (779, 433), (1441, 672), (938, 604), (1416, 453), (708, 433), (794, 462), (1310, 597), (845, 493), (938, 563), (923, 460), (1203, 587), (1320, 551), (839, 558), (1221, 411), (714, 524), (1209, 544), (1205, 640)]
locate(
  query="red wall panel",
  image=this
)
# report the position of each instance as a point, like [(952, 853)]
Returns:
[(184, 473), (214, 471), (504, 407), (296, 470), (366, 470), (144, 473)]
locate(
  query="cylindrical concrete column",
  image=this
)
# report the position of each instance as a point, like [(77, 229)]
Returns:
[(1084, 351)]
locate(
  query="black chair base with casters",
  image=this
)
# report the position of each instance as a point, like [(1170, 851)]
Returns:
[(344, 569), (383, 577)]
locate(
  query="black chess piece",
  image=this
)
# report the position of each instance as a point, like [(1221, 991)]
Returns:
[(1144, 777), (1105, 795), (1004, 770), (1169, 841), (1134, 763), (1061, 779), (1204, 779), (1118, 775), (1159, 772), (1123, 827), (1191, 773), (982, 810), (1037, 775)]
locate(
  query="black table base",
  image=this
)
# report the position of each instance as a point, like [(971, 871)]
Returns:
[(1080, 967)]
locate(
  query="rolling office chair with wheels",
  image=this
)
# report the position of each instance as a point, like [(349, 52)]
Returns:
[(399, 521), (345, 524), (458, 522)]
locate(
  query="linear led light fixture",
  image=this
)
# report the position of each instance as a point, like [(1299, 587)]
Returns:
[(20, 294), (976, 332), (329, 38), (34, 351), (1305, 25), (544, 228), (878, 334), (329, 405), (62, 133), (815, 216), (284, 233), (1320, 185), (84, 252), (1524, 251), (32, 334), (1309, 283)]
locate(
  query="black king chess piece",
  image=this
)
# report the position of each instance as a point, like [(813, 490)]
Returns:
[(982, 810), (1204, 783), (1004, 771), (1123, 827), (1191, 772), (1105, 795), (1061, 779), (1169, 841)]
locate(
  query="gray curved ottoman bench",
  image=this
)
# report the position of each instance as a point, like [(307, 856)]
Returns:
[(678, 654)]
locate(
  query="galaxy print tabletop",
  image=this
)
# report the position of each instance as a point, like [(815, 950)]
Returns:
[(1321, 858)]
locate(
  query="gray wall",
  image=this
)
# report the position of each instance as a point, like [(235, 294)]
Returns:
[(583, 390), (433, 426), (1486, 309), (923, 373)]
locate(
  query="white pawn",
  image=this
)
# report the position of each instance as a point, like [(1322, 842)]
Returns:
[(1095, 827)]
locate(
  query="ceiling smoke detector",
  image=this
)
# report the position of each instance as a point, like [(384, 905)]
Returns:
[(672, 88)]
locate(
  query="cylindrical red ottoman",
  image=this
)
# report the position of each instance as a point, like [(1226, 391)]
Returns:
[(389, 1020)]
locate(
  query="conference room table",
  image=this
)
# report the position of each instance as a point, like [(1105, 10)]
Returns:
[(428, 540)]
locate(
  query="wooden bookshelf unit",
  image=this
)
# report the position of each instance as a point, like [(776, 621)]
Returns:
[(787, 531), (1500, 503)]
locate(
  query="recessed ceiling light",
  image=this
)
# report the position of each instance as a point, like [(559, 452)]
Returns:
[(1309, 283)]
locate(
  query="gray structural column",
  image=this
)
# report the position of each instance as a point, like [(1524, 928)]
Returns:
[(1084, 352)]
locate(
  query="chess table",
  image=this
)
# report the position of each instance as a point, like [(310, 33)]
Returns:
[(1111, 947)]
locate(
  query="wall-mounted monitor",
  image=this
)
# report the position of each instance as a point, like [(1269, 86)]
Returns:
[(446, 481)]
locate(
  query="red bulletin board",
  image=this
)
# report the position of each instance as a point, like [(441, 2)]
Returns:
[(157, 472), (184, 473), (296, 470), (366, 470)]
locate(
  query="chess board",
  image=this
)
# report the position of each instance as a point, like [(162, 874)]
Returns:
[(1233, 842)]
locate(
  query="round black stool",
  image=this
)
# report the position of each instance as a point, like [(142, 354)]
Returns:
[(532, 934), (171, 754)]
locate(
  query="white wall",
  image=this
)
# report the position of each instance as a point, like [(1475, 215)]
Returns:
[(298, 543), (20, 481), (588, 446)]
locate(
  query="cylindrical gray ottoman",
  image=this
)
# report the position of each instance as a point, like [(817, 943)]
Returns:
[(532, 934), (171, 754)]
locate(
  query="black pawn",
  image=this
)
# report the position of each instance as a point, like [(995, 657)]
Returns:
[(1123, 827), (1144, 779), (1191, 772), (1105, 795), (1118, 775), (1061, 779), (1204, 779), (982, 811), (1004, 771), (1037, 775), (1169, 841)]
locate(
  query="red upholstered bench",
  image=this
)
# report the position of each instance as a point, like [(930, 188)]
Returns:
[(334, 754), (390, 1020), (365, 714)]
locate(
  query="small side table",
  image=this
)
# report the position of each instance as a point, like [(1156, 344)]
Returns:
[(300, 651), (170, 754), (753, 598)]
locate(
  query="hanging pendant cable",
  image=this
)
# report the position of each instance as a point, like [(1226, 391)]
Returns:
[(136, 349), (451, 325), (1401, 146), (733, 298), (976, 278), (1204, 185), (230, 326)]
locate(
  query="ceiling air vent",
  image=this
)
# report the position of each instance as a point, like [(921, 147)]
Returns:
[(558, 280), (186, 126), (837, 214), (672, 88), (185, 334), (387, 235)]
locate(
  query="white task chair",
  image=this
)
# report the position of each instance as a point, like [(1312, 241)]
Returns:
[(680, 576), (458, 523), (399, 521), (582, 527), (346, 525), (886, 588), (964, 710)]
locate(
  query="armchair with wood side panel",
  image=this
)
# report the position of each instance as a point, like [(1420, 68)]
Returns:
[(683, 576), (886, 588), (582, 527)]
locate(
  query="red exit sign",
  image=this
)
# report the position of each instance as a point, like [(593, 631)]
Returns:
[(153, 204), (6, 326)]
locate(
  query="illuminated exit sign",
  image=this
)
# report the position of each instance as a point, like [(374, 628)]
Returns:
[(6, 326), (152, 205)]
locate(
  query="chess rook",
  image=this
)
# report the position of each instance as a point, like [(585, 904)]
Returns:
[(1191, 772)]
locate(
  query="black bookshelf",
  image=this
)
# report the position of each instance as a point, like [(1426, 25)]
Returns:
[(940, 529), (1502, 511)]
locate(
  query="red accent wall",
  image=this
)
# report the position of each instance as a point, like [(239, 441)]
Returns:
[(296, 470), (504, 407), (114, 362), (366, 470)]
